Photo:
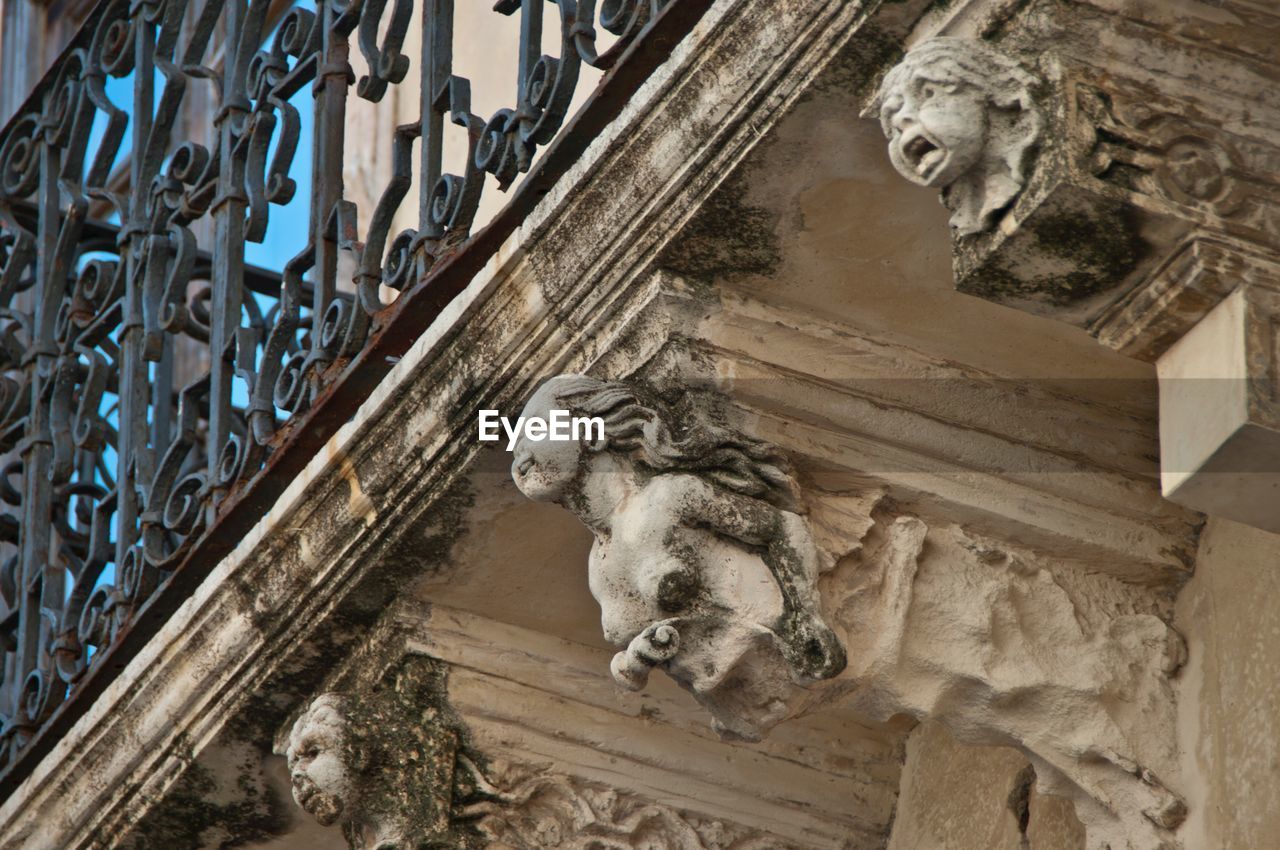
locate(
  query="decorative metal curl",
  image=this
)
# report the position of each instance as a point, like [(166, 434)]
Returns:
[(386, 63), (122, 281), (19, 160)]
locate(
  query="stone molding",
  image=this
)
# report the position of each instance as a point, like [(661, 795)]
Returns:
[(1194, 279), (1075, 477), (545, 304), (397, 462), (1165, 159)]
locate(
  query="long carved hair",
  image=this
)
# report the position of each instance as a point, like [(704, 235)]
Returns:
[(639, 428)]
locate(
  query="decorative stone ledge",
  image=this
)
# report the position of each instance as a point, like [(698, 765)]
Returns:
[(388, 761), (1192, 282), (1153, 196), (977, 634), (1073, 476)]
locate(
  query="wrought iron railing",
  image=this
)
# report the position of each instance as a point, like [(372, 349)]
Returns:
[(151, 379)]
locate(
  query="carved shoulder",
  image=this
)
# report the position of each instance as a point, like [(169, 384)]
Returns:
[(686, 499)]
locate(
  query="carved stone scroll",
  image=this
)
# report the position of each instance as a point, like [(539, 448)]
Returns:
[(702, 565), (521, 806)]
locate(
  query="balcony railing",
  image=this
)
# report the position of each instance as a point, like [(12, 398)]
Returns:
[(158, 392)]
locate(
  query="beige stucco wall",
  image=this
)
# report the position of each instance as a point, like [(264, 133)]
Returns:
[(1229, 725)]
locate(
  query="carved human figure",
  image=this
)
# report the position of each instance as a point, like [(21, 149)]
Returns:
[(960, 117), (701, 564), (347, 769), (319, 761)]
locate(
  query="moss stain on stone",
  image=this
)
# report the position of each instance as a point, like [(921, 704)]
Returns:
[(191, 817), (1098, 249), (726, 237)]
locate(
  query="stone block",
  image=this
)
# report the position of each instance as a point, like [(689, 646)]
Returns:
[(1220, 411)]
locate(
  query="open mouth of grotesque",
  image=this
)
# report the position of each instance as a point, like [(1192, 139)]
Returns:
[(325, 807), (523, 467), (305, 793), (304, 790), (921, 153)]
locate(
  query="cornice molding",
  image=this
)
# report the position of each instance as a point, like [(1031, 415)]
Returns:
[(317, 556)]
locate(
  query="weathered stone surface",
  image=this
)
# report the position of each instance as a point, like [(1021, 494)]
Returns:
[(983, 639), (225, 797), (1153, 193), (313, 566), (957, 797), (378, 759), (528, 697), (962, 117), (1228, 726), (1192, 281), (1220, 412), (701, 564), (1153, 131)]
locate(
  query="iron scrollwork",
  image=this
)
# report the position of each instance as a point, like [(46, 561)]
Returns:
[(146, 371)]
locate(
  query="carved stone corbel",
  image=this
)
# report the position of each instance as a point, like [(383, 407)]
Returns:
[(962, 117), (1150, 197), (377, 759), (702, 565), (1031, 227), (1005, 650), (384, 758)]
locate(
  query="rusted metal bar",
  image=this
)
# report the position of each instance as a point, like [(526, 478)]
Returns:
[(121, 472)]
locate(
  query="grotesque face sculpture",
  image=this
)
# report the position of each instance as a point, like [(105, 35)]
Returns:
[(937, 130), (323, 778), (960, 117), (701, 565), (346, 755)]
